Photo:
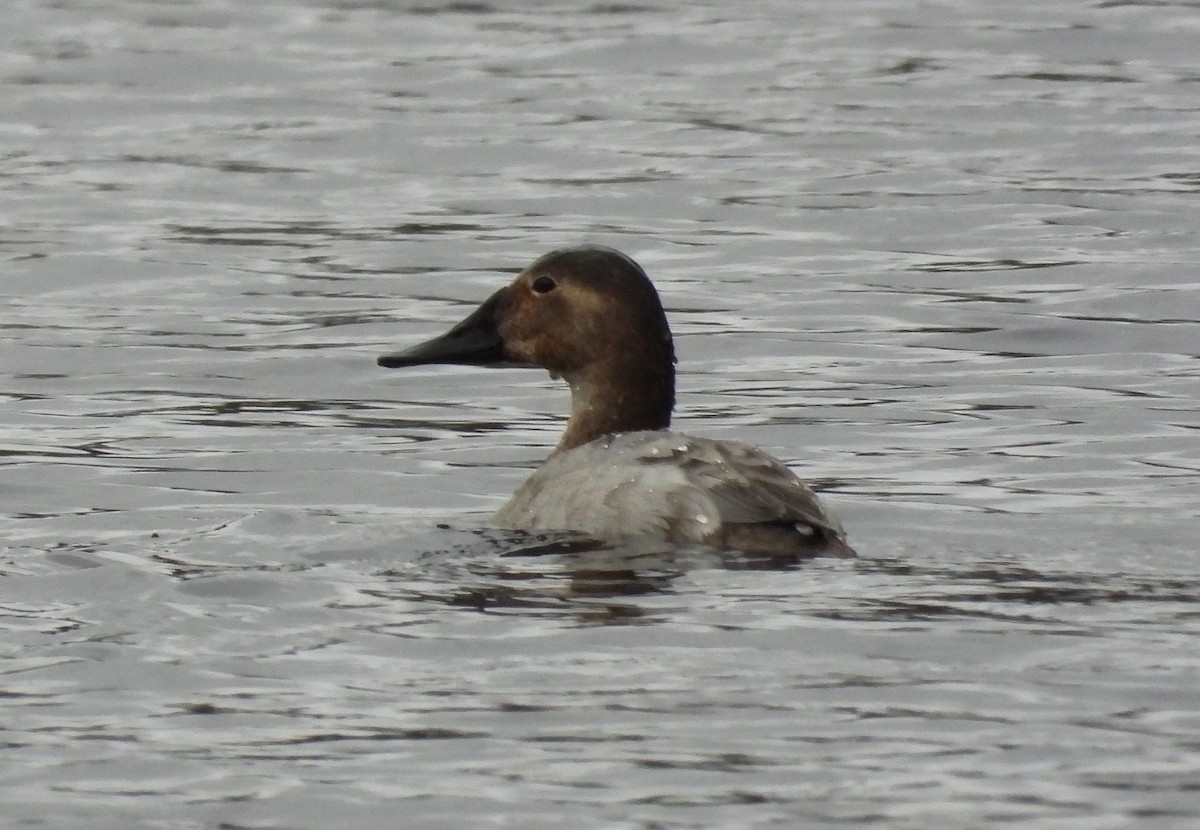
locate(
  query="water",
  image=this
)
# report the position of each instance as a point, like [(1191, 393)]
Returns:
[(939, 256)]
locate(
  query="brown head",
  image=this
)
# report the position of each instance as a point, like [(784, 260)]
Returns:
[(589, 315)]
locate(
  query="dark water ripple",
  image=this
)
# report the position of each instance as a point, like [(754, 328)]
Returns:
[(939, 257)]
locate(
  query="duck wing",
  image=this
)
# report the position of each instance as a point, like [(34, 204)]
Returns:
[(747, 486)]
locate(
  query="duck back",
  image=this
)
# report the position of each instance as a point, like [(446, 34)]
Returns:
[(677, 488)]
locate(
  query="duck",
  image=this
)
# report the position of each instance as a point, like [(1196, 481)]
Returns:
[(590, 316)]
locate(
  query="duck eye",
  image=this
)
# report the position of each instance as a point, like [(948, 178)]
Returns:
[(543, 285)]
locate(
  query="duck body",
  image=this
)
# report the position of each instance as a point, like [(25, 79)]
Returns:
[(676, 488), (591, 316)]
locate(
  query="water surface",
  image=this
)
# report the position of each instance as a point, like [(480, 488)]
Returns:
[(940, 257)]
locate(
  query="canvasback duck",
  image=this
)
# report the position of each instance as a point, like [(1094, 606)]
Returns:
[(591, 316)]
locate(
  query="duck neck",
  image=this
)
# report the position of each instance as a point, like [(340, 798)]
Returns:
[(611, 399)]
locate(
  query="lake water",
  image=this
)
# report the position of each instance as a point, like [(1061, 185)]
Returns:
[(941, 257)]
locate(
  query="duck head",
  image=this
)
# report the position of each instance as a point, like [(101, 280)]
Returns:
[(589, 315)]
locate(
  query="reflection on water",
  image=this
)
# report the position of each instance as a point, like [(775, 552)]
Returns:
[(939, 258), (559, 574)]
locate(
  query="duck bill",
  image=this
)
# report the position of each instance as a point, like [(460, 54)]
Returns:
[(474, 341)]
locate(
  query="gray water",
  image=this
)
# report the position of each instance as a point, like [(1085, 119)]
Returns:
[(939, 256)]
